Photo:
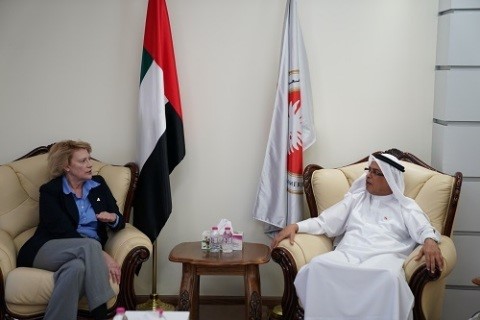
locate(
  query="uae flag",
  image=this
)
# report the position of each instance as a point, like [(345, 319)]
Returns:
[(161, 141), (279, 200)]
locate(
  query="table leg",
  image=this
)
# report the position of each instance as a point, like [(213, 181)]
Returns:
[(253, 295), (189, 291)]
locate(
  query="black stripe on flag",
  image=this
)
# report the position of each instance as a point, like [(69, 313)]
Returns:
[(153, 194)]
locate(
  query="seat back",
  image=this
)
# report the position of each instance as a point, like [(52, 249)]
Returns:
[(21, 179), (435, 192)]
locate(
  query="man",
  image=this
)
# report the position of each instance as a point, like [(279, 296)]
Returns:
[(376, 228)]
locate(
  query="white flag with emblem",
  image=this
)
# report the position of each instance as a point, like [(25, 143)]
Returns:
[(279, 199)]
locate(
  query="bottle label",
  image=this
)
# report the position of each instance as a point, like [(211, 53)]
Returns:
[(206, 240), (227, 242), (215, 241)]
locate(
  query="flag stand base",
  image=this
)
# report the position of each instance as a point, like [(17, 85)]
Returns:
[(276, 313), (154, 303)]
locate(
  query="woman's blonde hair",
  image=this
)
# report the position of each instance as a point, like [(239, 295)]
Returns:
[(61, 153)]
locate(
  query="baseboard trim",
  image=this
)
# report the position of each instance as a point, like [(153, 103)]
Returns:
[(269, 302)]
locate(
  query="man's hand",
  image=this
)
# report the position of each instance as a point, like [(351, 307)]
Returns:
[(287, 232), (433, 255)]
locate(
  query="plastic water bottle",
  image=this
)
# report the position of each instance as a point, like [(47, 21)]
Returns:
[(206, 240), (120, 314), (227, 240), (159, 313), (215, 240)]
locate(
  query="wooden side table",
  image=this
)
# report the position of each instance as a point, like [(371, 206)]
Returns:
[(196, 262)]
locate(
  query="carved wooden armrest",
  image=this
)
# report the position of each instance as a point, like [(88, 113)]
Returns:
[(130, 248), (291, 257)]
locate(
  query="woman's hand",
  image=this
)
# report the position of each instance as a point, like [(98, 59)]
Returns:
[(107, 217), (114, 269)]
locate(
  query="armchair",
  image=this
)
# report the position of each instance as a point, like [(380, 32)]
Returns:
[(25, 292), (435, 192)]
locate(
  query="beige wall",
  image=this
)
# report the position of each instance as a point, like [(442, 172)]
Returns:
[(70, 69)]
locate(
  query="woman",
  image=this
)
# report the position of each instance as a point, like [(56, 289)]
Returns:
[(75, 208)]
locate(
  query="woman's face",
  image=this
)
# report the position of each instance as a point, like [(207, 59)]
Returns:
[(80, 166)]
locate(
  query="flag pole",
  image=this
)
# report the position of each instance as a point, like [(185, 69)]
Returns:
[(159, 153), (154, 301), (292, 113)]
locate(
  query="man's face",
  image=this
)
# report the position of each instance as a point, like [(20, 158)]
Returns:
[(376, 183)]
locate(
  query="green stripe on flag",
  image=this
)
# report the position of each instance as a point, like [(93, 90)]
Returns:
[(146, 63)]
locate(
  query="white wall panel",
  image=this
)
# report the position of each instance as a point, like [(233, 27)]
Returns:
[(457, 94), (460, 46), (468, 263), (456, 141), (468, 211), (458, 4), (460, 304), (457, 148)]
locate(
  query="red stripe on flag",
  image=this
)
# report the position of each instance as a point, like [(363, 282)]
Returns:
[(158, 43)]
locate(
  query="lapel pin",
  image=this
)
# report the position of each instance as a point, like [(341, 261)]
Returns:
[(98, 199)]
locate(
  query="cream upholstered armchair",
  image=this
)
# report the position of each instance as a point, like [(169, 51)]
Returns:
[(25, 292), (436, 193)]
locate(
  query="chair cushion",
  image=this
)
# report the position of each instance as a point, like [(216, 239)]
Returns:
[(19, 185), (430, 189), (28, 290), (306, 247), (118, 180)]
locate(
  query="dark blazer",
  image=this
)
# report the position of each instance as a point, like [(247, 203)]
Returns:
[(59, 216)]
